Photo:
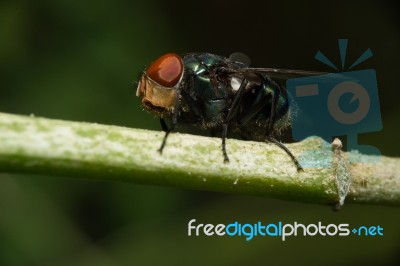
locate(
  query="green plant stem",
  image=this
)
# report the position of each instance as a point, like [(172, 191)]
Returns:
[(44, 146)]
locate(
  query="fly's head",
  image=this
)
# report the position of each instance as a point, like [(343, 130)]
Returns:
[(157, 87)]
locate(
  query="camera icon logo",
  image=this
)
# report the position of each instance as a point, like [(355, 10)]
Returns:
[(358, 92), (336, 104)]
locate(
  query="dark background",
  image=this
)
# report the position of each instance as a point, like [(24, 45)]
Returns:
[(78, 60)]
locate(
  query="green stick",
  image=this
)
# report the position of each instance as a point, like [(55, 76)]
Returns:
[(84, 150)]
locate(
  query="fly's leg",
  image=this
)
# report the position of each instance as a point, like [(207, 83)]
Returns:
[(164, 126), (167, 131), (271, 122), (173, 123), (232, 113), (193, 107), (224, 133), (274, 96), (283, 147)]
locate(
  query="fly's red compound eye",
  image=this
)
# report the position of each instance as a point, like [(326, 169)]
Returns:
[(166, 70)]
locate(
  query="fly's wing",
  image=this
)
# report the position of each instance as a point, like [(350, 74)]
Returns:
[(241, 58), (282, 74)]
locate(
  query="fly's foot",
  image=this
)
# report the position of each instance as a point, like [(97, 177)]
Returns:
[(226, 159)]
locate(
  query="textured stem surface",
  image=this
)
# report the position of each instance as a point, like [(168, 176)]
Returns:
[(85, 150)]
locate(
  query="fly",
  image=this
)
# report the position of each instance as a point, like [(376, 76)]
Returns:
[(219, 94)]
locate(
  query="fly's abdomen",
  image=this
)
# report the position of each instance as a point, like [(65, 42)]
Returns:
[(281, 113), (259, 102)]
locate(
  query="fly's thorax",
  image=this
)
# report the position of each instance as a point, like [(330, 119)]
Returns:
[(201, 63), (209, 78)]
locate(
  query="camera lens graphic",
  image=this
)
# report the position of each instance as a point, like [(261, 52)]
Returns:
[(358, 92)]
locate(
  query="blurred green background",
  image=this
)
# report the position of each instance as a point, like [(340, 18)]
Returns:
[(78, 60)]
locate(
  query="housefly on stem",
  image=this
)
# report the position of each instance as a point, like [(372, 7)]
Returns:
[(220, 94)]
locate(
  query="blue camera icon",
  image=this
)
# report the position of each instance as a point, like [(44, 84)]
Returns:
[(335, 104)]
